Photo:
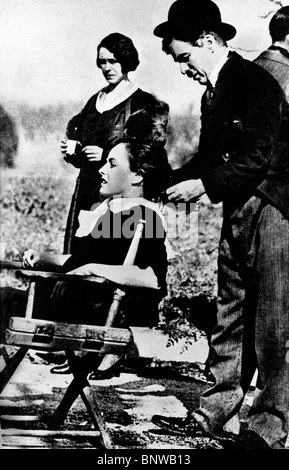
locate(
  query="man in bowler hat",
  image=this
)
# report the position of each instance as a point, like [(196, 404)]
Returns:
[(236, 164)]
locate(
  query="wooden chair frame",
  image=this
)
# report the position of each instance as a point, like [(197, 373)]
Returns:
[(96, 341)]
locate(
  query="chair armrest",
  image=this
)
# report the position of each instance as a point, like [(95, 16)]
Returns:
[(6, 264), (33, 274), (38, 273), (16, 265)]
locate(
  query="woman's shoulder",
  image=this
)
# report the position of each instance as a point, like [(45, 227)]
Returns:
[(92, 99), (136, 210), (150, 213)]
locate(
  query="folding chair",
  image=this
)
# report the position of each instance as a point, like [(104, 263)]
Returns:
[(95, 341)]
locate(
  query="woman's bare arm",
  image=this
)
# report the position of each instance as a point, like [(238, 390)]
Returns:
[(124, 275)]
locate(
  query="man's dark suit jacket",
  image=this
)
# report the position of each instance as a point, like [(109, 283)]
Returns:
[(236, 156)]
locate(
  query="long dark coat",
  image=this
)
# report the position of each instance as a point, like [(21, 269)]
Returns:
[(93, 128)]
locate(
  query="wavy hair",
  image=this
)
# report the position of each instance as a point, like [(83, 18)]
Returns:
[(145, 138), (123, 50)]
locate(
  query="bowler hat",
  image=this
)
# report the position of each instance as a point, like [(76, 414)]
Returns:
[(190, 17)]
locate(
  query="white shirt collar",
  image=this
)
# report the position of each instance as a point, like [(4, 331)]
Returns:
[(88, 219), (120, 204), (216, 70), (120, 93)]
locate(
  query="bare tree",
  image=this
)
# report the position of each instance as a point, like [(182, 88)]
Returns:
[(278, 3)]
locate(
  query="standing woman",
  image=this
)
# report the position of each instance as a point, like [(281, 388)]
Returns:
[(101, 123)]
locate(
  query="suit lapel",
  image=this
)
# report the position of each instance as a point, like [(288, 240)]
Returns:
[(225, 86)]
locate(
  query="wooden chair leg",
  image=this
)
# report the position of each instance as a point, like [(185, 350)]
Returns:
[(11, 365), (79, 370), (96, 417), (79, 386)]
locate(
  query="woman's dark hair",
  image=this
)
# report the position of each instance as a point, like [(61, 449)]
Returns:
[(150, 160), (279, 24), (123, 50), (145, 139)]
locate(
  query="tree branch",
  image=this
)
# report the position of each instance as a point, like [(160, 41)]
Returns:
[(279, 3)]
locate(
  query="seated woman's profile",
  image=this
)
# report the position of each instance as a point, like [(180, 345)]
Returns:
[(132, 179)]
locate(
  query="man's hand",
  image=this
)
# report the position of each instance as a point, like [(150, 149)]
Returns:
[(190, 190)]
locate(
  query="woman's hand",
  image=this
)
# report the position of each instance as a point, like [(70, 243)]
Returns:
[(69, 146), (71, 154), (63, 145), (30, 258), (93, 153)]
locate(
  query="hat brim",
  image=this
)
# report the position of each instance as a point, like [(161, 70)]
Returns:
[(227, 31), (162, 30)]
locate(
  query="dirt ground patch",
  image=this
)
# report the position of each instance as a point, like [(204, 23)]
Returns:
[(127, 403)]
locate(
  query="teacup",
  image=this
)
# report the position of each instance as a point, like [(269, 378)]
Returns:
[(71, 145)]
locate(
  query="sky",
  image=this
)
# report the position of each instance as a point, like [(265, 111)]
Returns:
[(48, 47)]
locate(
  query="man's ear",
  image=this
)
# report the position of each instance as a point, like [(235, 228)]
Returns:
[(209, 41)]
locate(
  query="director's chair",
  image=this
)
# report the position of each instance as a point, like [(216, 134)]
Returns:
[(95, 342)]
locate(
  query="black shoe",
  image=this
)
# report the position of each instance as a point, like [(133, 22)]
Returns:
[(187, 426), (104, 374), (53, 357), (247, 439)]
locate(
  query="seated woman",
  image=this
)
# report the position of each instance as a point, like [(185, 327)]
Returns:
[(133, 176)]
